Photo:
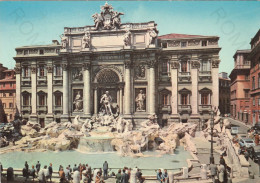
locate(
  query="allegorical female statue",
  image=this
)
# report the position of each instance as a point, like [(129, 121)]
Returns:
[(78, 102), (106, 100), (140, 98)]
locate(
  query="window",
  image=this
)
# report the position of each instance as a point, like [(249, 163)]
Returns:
[(26, 71), (26, 52), (41, 100), (184, 99), (253, 101), (204, 43), (4, 105), (164, 45), (204, 66), (4, 94), (58, 70), (258, 80), (26, 100), (165, 99), (183, 44), (165, 67), (246, 93), (204, 99), (10, 94), (253, 83), (10, 105), (247, 77), (3, 85), (11, 84), (58, 100), (259, 101), (41, 52), (11, 116), (184, 66), (41, 70)]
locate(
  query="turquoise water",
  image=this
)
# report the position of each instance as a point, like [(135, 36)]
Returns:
[(96, 160)]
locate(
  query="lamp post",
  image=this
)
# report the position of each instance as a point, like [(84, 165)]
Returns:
[(211, 159)]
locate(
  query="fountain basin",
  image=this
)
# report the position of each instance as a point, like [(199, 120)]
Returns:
[(95, 144)]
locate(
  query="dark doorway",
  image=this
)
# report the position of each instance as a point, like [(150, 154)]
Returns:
[(42, 122)]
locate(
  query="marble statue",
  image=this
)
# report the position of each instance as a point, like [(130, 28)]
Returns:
[(64, 41), (116, 19), (78, 102), (86, 40), (127, 38), (106, 100), (140, 101), (153, 34), (98, 19)]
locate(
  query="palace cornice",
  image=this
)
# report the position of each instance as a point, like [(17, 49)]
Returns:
[(180, 51), (36, 57)]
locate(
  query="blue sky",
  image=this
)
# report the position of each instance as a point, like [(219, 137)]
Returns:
[(33, 23)]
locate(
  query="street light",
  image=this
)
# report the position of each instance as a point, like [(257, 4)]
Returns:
[(211, 159)]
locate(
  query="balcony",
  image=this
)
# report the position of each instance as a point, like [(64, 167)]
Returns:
[(42, 80), (184, 77), (204, 108), (184, 109), (57, 109), (57, 80), (26, 108), (165, 109), (42, 108), (26, 78)]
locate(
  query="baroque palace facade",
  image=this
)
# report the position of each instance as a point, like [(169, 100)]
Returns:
[(174, 76)]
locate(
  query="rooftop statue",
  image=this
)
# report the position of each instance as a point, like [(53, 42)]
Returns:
[(107, 18)]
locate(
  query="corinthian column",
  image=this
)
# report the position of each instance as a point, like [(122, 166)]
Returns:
[(18, 88), (49, 101), (195, 64), (174, 81), (152, 86), (33, 116), (127, 88), (65, 98), (86, 90), (215, 83)]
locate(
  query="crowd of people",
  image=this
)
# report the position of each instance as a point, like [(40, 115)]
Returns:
[(220, 172)]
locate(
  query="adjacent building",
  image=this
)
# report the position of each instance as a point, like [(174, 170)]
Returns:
[(8, 95), (127, 68), (224, 93), (254, 57), (240, 86)]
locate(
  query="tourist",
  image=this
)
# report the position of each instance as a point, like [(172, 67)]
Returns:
[(124, 178), (159, 176), (10, 174), (99, 178), (61, 167), (87, 178), (139, 176), (75, 168), (95, 172), (165, 176), (26, 171), (32, 172), (1, 167), (67, 174), (221, 174), (246, 154), (118, 176), (41, 176), (222, 161), (38, 166), (76, 176), (46, 172), (50, 171), (70, 168), (62, 175), (213, 170), (82, 168), (105, 169)]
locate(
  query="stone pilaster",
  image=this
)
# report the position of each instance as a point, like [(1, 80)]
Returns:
[(174, 80), (215, 83), (127, 105), (152, 92), (18, 87), (121, 100), (33, 116), (49, 116), (65, 115), (86, 90), (95, 101), (195, 65)]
